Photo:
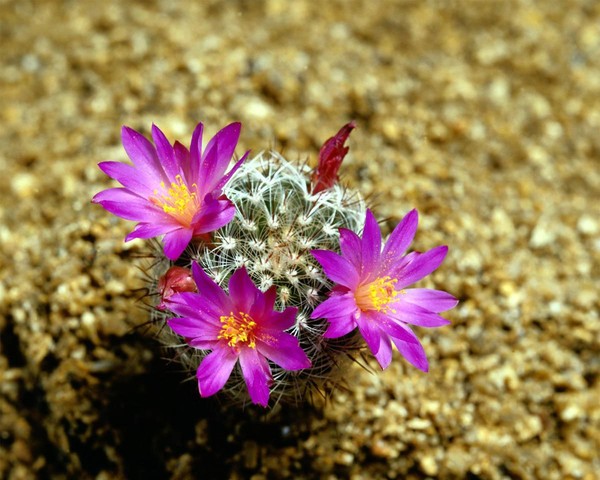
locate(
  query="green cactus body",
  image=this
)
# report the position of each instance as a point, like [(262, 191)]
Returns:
[(277, 224)]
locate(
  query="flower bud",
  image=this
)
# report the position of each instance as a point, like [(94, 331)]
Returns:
[(175, 280)]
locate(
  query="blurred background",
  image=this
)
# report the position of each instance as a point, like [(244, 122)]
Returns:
[(482, 114)]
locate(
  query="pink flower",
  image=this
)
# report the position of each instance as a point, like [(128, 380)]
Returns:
[(170, 190), (331, 155), (175, 280), (371, 290), (240, 326)]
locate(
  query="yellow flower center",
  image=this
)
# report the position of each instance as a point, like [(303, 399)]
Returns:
[(238, 328), (377, 295), (177, 201)]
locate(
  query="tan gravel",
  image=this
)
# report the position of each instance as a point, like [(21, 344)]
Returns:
[(484, 115)]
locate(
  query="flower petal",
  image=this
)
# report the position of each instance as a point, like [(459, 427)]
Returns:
[(433, 300), (194, 328), (400, 240), (176, 242), (217, 156), (126, 204), (233, 169), (371, 246), (271, 319), (415, 315), (214, 214), (350, 245), (196, 305), (384, 355), (257, 375), (337, 268), (336, 306), (420, 266), (414, 353), (142, 153), (165, 153), (130, 177), (282, 349), (394, 328), (214, 370), (150, 230), (196, 151), (182, 160), (340, 326), (242, 291), (370, 332), (264, 305), (210, 291)]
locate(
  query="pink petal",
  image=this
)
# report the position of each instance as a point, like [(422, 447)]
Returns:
[(126, 204), (150, 230), (337, 306), (371, 246), (337, 268), (350, 245), (165, 153), (142, 153), (370, 332), (264, 305), (257, 375), (282, 349), (340, 326), (416, 315), (214, 370), (176, 242), (433, 300), (130, 177), (196, 152), (197, 305), (226, 178), (213, 215), (210, 292), (194, 328), (384, 355), (217, 156), (392, 327), (275, 320), (414, 353), (400, 239), (182, 160), (242, 291), (422, 265)]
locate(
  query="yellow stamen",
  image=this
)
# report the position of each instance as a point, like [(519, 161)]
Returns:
[(377, 295), (238, 328), (177, 201)]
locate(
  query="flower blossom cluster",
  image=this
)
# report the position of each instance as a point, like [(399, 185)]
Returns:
[(177, 193)]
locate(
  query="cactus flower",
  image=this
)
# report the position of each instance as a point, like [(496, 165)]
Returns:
[(170, 190), (371, 290), (242, 326)]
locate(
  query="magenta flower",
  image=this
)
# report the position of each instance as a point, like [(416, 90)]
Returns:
[(242, 326), (371, 294), (170, 190)]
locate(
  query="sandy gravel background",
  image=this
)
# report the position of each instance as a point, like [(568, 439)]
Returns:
[(484, 115)]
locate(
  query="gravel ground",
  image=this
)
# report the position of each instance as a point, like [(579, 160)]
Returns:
[(484, 115)]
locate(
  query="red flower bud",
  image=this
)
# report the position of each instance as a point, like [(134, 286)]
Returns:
[(331, 155), (175, 280)]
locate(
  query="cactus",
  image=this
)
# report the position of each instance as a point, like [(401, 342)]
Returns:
[(278, 222), (262, 276)]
